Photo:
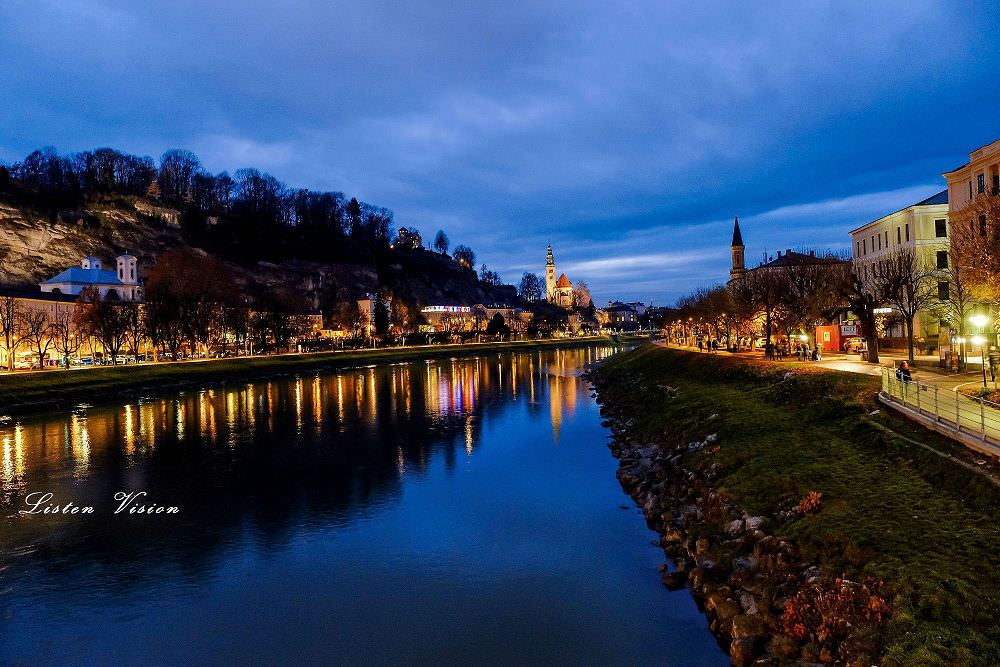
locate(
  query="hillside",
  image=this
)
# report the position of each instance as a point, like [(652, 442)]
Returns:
[(34, 247)]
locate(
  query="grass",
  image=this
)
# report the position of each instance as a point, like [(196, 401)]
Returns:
[(891, 509), (40, 390)]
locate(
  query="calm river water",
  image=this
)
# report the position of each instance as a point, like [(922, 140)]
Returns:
[(451, 511)]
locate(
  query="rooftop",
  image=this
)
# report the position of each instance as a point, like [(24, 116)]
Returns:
[(83, 276), (792, 258), (940, 199)]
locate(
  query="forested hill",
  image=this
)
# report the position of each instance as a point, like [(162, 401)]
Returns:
[(55, 209)]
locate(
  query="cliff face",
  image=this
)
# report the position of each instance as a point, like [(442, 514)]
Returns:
[(34, 248)]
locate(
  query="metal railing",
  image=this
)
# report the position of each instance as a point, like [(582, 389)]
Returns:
[(974, 416)]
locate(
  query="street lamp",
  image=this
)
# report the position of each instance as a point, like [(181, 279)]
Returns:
[(980, 320), (981, 342)]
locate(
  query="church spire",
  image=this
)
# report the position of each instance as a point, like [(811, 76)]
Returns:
[(737, 236), (736, 250)]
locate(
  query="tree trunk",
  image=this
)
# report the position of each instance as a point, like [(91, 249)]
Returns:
[(909, 339), (872, 335)]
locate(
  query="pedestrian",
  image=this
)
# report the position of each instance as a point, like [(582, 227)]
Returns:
[(715, 345), (699, 345), (994, 362)]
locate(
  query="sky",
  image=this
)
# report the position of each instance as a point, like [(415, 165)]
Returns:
[(628, 135)]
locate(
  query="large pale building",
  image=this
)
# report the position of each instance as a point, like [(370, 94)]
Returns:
[(922, 228), (980, 175)]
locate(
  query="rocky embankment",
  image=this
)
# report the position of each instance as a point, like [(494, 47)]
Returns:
[(744, 578)]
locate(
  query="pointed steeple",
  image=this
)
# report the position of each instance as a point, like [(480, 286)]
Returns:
[(737, 236)]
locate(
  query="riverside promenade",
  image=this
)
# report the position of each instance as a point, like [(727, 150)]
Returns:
[(933, 397)]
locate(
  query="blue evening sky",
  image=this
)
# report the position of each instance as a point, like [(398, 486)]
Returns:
[(626, 133)]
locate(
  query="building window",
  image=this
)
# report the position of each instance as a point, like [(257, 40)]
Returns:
[(943, 291), (941, 228), (970, 188), (864, 245), (907, 232), (899, 235), (879, 241), (996, 183), (982, 225), (981, 183), (857, 248), (887, 238), (942, 259)]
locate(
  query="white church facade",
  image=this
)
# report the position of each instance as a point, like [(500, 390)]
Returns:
[(123, 282)]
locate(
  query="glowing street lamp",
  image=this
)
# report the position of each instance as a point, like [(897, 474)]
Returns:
[(980, 320)]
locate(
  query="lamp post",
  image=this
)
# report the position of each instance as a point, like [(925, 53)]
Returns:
[(980, 321)]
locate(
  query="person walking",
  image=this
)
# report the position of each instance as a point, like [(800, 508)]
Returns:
[(699, 345)]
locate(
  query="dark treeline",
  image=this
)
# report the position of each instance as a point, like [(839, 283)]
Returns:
[(246, 216)]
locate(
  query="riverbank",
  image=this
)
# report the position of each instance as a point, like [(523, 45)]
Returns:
[(23, 393), (810, 525)]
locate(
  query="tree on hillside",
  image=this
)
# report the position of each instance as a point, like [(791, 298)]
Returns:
[(489, 277), (441, 242), (177, 168), (463, 255), (530, 287)]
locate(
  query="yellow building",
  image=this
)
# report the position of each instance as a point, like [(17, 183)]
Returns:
[(922, 228), (980, 175)]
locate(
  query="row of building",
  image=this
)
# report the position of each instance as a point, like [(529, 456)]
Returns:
[(924, 227)]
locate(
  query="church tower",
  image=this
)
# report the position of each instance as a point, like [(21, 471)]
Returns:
[(737, 248), (550, 277)]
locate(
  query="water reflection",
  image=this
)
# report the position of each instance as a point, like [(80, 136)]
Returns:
[(352, 497), (266, 436)]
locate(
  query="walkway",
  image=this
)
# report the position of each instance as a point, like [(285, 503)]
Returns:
[(932, 398)]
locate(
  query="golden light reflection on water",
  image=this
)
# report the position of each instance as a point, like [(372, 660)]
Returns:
[(449, 393)]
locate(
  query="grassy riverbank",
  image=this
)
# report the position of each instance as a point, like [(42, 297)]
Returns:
[(890, 508), (41, 390)]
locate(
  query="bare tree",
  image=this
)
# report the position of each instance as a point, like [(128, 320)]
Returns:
[(761, 291), (104, 320), (65, 338), (808, 301), (581, 294), (36, 330), (10, 312), (530, 287), (441, 242), (135, 325), (909, 285)]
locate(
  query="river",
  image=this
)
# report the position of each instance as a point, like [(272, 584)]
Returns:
[(450, 511)]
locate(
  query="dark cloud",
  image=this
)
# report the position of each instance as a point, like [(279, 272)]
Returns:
[(628, 136)]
